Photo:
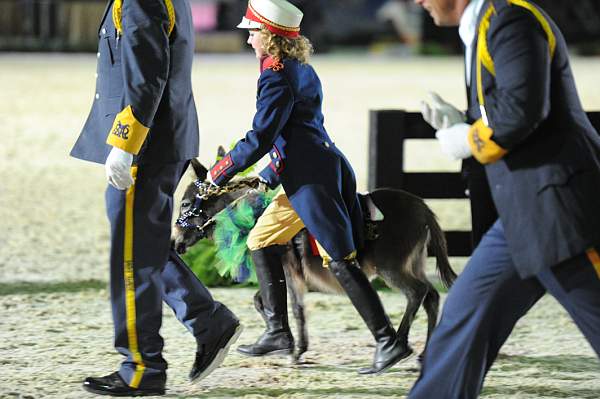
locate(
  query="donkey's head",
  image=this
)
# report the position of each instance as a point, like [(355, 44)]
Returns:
[(200, 203)]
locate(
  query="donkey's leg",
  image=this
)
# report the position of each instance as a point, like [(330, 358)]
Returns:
[(297, 290), (294, 267), (415, 292), (410, 278), (259, 306), (432, 306)]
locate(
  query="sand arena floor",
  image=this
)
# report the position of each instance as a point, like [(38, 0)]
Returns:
[(53, 234)]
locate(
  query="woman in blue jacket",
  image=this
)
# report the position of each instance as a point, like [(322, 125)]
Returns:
[(319, 187)]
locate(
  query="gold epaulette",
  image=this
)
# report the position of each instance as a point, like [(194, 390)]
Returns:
[(117, 10)]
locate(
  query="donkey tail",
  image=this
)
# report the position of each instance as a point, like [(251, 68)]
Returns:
[(439, 249)]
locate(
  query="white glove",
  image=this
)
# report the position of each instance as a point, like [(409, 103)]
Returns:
[(440, 114), (454, 142), (118, 169)]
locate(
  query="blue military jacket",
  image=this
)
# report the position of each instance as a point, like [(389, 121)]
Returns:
[(315, 175), (547, 187), (143, 102)]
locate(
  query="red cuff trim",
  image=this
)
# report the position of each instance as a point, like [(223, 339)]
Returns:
[(221, 167)]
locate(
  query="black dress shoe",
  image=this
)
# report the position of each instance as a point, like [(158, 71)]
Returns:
[(113, 385), (207, 360)]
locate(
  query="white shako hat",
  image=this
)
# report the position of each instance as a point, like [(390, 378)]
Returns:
[(278, 16)]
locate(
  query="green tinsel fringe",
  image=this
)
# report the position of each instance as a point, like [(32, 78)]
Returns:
[(233, 225)]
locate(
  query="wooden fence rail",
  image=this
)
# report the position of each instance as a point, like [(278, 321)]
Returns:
[(388, 130)]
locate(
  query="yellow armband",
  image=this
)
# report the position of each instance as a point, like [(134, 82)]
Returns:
[(484, 149), (127, 132)]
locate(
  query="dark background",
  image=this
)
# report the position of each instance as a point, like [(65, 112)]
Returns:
[(332, 25)]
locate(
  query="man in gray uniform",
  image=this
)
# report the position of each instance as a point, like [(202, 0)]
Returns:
[(143, 127), (541, 157)]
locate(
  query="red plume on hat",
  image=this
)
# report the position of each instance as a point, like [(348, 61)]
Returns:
[(278, 16)]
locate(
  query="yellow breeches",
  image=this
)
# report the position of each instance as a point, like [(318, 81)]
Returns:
[(277, 225)]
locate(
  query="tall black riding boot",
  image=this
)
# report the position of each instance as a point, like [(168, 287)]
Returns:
[(277, 339), (389, 350)]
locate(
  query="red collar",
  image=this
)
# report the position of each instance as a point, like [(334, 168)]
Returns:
[(268, 62)]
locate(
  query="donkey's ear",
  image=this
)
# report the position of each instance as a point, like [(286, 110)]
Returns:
[(220, 152), (199, 169)]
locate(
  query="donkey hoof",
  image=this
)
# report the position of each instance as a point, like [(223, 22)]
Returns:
[(297, 355)]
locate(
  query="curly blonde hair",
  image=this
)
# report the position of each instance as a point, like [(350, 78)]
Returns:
[(281, 47)]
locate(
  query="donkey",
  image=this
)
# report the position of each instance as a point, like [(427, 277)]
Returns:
[(396, 251)]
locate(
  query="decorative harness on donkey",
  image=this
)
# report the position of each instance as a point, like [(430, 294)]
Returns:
[(205, 191), (235, 221)]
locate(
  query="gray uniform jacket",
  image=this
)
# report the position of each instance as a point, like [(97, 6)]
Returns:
[(143, 97), (547, 187)]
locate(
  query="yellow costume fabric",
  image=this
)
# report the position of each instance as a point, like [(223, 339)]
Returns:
[(278, 225)]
